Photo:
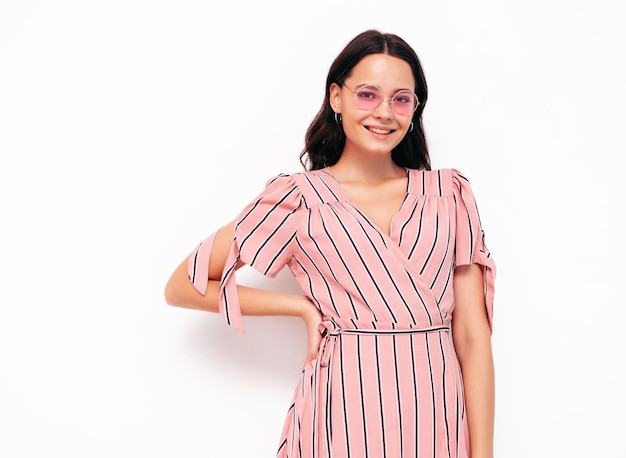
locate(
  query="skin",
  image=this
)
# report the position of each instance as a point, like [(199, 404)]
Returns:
[(376, 186), (365, 170)]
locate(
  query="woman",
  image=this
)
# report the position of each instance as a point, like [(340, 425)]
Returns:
[(390, 255)]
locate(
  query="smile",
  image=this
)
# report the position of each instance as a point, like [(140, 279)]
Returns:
[(378, 131)]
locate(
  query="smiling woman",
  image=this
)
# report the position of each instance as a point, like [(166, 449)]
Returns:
[(373, 128), (397, 281)]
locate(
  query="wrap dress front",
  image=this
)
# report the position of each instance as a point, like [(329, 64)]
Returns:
[(386, 382)]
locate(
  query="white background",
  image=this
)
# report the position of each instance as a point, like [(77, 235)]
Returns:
[(132, 129)]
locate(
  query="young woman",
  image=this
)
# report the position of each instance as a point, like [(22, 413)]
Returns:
[(397, 281)]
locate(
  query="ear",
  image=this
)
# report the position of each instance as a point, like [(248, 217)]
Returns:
[(334, 95)]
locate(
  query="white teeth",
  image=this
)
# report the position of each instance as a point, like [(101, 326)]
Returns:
[(379, 131)]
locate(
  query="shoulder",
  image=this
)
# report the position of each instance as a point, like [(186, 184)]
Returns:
[(449, 173), (306, 188), (462, 190), (293, 178), (313, 187), (280, 190), (453, 175), (287, 183), (444, 182), (283, 182)]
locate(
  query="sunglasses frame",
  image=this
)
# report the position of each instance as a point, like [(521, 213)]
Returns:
[(389, 100)]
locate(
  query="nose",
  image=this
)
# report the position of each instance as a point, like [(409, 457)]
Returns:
[(384, 109)]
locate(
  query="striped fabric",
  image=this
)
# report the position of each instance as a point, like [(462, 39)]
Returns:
[(386, 382)]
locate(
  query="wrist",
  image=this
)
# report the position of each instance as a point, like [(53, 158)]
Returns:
[(305, 308)]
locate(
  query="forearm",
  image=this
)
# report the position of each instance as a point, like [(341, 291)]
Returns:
[(259, 302), (179, 292), (476, 361)]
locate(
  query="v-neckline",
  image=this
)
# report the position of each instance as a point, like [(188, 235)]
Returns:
[(344, 196)]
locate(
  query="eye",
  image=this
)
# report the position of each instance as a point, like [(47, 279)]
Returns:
[(368, 93), (404, 98)]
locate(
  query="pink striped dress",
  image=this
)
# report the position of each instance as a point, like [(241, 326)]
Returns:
[(386, 382)]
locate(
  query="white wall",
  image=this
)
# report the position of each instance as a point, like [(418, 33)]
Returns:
[(125, 139)]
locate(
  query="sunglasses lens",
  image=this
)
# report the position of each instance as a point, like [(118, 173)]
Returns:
[(368, 98), (404, 103)]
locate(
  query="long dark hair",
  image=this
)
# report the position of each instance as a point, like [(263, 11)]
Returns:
[(325, 139)]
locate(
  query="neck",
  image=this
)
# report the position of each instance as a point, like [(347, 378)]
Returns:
[(369, 169)]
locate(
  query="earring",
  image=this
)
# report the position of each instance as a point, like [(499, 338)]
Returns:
[(411, 127), (338, 118)]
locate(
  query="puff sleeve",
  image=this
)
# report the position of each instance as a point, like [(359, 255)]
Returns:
[(265, 232), (470, 238)]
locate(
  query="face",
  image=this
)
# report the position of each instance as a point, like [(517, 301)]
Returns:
[(380, 130)]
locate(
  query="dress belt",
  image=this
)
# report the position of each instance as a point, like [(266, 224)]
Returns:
[(332, 329)]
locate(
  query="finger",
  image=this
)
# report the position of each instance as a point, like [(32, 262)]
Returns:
[(314, 343)]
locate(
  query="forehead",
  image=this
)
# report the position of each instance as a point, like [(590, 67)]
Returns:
[(384, 71)]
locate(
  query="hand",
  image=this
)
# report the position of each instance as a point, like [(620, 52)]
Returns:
[(312, 318)]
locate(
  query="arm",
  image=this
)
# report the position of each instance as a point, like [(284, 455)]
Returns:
[(472, 340), (180, 292)]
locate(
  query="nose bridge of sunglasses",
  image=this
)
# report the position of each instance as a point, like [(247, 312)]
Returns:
[(386, 102), (393, 104)]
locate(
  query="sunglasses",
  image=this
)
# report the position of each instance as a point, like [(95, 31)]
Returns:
[(368, 98)]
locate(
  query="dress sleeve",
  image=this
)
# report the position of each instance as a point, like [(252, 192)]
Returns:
[(470, 238), (264, 236)]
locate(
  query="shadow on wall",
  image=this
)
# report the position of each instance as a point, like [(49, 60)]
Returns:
[(273, 348)]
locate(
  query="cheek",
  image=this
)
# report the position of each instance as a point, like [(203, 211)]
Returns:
[(405, 123), (355, 116)]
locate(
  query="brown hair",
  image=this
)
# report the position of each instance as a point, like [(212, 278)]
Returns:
[(325, 139)]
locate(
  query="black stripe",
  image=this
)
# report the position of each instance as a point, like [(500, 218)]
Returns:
[(415, 396), (419, 231), (342, 259), (433, 245), (380, 398), (416, 289), (266, 215), (328, 187), (406, 223), (382, 263), (358, 352), (195, 262), (321, 180), (330, 268), (432, 391), (444, 396), (328, 407), (343, 392), (267, 239), (398, 395)]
